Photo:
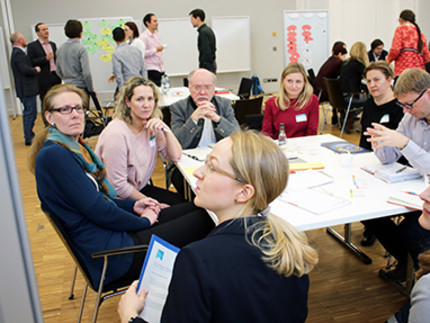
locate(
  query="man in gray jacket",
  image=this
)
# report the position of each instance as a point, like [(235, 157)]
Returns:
[(202, 118)]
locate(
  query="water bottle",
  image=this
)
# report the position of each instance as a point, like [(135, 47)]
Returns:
[(282, 138), (166, 83), (163, 84)]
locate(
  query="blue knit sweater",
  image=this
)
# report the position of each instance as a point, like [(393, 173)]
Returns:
[(93, 223)]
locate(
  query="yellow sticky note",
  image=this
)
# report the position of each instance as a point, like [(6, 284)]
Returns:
[(106, 58), (102, 42), (108, 48), (303, 166), (190, 170), (106, 31)]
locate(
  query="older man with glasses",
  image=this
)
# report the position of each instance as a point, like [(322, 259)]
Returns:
[(202, 118), (411, 139)]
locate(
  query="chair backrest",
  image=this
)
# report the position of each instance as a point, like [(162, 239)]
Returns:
[(311, 76), (242, 108), (254, 121), (245, 88), (335, 94), (58, 226)]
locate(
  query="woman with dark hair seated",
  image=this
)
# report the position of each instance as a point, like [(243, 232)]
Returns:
[(71, 184), (253, 267)]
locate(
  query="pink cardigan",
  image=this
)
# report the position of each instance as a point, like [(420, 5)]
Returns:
[(129, 158)]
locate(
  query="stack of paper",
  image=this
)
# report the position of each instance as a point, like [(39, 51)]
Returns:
[(407, 199), (393, 173), (308, 179), (304, 166)]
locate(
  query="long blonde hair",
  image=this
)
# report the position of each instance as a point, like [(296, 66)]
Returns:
[(122, 111), (258, 161), (282, 98), (48, 105), (358, 51)]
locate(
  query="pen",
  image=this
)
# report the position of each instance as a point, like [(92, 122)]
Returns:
[(410, 193), (401, 169), (354, 181), (192, 157)]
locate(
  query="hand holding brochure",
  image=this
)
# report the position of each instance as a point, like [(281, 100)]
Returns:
[(155, 277), (393, 173)]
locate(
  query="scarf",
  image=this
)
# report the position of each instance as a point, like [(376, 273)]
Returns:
[(87, 158)]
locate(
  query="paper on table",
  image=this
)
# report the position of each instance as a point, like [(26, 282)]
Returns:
[(190, 170), (155, 277), (313, 201), (393, 173), (406, 199), (308, 179)]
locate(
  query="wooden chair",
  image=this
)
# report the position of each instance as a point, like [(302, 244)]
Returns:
[(115, 287)]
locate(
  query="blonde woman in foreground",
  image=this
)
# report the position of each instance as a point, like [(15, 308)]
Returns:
[(253, 267)]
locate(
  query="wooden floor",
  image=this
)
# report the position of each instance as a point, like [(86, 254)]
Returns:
[(343, 289)]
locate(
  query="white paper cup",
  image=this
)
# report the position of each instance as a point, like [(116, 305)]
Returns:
[(345, 160)]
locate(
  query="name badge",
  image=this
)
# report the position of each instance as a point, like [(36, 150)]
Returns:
[(301, 118), (152, 141), (385, 118)]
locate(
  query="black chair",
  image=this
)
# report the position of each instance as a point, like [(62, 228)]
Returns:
[(96, 118), (337, 100), (245, 88), (254, 121), (243, 108), (311, 76), (113, 288)]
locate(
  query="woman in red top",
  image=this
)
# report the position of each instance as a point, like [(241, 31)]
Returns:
[(295, 106), (409, 49)]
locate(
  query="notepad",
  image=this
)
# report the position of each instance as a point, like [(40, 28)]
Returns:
[(303, 166), (308, 179), (313, 201), (393, 173), (406, 199)]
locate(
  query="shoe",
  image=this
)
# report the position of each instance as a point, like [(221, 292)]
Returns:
[(334, 120), (28, 142), (369, 238), (397, 275)]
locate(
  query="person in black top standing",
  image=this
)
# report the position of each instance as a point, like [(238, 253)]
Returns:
[(26, 84), (206, 41)]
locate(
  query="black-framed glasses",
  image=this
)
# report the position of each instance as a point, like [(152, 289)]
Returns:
[(208, 166), (410, 106), (68, 110)]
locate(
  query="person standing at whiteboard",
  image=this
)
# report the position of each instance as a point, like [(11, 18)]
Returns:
[(153, 53), (206, 42)]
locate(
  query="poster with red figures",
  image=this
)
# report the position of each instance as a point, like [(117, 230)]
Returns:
[(306, 38)]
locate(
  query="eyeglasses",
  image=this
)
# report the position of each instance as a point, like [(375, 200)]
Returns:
[(208, 166), (68, 110), (207, 88), (410, 106)]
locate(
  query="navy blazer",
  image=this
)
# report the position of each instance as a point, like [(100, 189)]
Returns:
[(25, 75), (372, 56), (222, 278), (37, 56)]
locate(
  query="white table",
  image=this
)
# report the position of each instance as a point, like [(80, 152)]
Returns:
[(178, 93), (368, 202)]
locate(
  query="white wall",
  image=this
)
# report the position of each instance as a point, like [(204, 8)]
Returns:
[(350, 21)]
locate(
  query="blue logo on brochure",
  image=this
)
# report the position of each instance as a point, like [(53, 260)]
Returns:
[(160, 254)]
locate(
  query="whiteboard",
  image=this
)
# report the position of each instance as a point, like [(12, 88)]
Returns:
[(97, 39), (181, 55), (233, 40), (306, 38), (4, 62)]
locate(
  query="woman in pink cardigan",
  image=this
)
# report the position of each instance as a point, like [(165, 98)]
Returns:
[(295, 106), (129, 145)]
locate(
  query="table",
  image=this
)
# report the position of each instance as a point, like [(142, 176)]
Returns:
[(176, 94), (367, 202)]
